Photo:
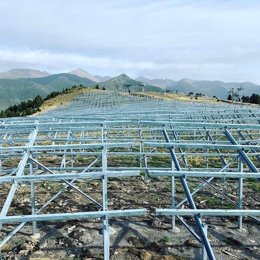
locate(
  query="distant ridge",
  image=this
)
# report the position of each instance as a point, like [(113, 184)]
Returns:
[(14, 91), (161, 83), (213, 88), (23, 73), (102, 78), (18, 85), (207, 87), (84, 74)]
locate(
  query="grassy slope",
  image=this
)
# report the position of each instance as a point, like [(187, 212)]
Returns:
[(181, 97), (63, 99), (17, 90), (66, 98)]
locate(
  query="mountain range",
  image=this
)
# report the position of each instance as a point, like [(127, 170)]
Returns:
[(18, 85), (161, 83), (84, 74), (23, 73), (213, 88), (14, 91), (209, 88)]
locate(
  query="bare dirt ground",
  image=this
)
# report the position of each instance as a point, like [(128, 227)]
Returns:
[(147, 237)]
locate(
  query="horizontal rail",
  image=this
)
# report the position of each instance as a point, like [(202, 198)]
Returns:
[(157, 173), (64, 147), (73, 216), (202, 146), (187, 124), (207, 212), (69, 176)]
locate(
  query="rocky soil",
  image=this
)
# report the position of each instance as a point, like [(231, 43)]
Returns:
[(148, 237)]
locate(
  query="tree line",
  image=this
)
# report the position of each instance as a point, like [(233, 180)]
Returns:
[(30, 107), (25, 108), (253, 99)]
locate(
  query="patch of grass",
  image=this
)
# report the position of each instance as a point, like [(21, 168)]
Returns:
[(254, 185), (180, 97), (117, 161), (63, 99), (159, 161), (164, 239), (214, 202)]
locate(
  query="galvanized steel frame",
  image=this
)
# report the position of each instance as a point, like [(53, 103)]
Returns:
[(115, 126)]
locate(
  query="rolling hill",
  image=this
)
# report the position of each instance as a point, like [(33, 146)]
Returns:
[(23, 84), (84, 74), (123, 82), (23, 73), (14, 91), (209, 88), (161, 83), (213, 88), (102, 78)]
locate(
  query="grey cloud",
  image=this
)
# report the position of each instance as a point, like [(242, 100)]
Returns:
[(175, 39)]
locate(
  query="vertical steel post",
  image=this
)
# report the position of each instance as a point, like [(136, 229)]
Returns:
[(33, 199), (207, 158), (1, 167), (20, 172), (204, 252), (240, 191), (104, 196), (173, 196), (141, 147), (191, 202)]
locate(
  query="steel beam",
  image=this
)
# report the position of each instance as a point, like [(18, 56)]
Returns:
[(72, 216), (208, 212), (20, 172), (241, 152), (191, 202), (226, 175)]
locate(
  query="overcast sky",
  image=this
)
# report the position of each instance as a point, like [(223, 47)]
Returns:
[(207, 39)]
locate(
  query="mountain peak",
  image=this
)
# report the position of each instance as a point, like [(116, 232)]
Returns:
[(123, 75), (79, 70), (84, 74), (123, 82), (187, 81)]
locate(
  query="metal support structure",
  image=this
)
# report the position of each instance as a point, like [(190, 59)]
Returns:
[(198, 222), (70, 216), (34, 224), (78, 142), (241, 152), (204, 251), (104, 198), (208, 212), (173, 195), (19, 172), (240, 192)]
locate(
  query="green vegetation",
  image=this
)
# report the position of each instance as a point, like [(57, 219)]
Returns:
[(127, 84), (164, 239), (254, 185), (14, 91), (54, 94), (23, 109), (254, 99), (30, 107)]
